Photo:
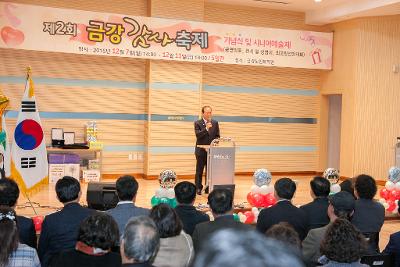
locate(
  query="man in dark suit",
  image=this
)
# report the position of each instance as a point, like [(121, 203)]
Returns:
[(221, 204), (317, 209), (206, 130), (341, 205), (60, 229), (9, 194), (127, 188), (185, 193), (393, 247), (284, 210), (369, 214)]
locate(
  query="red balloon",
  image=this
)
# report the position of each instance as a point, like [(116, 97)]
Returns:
[(269, 200), (249, 217), (258, 200), (394, 195), (392, 206), (250, 199), (384, 193), (37, 222)]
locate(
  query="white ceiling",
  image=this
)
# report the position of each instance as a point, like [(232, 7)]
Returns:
[(326, 11)]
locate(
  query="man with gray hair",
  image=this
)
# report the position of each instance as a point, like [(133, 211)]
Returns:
[(243, 249), (140, 242)]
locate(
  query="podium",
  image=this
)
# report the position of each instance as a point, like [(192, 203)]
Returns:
[(220, 162)]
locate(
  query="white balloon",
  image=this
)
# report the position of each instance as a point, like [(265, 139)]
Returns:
[(335, 188), (385, 205), (397, 186), (382, 200), (264, 189), (163, 192), (242, 218), (158, 192), (170, 193), (254, 209), (255, 189), (389, 185)]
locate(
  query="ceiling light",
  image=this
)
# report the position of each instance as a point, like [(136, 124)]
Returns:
[(317, 1)]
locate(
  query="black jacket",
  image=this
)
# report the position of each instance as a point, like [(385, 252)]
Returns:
[(60, 231), (317, 212), (283, 211), (190, 217), (204, 137), (27, 232)]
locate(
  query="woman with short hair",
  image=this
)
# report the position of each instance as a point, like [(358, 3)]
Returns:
[(176, 247), (98, 234)]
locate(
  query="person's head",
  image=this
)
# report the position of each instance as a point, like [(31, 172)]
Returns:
[(341, 205), (320, 187), (68, 190), (285, 233), (99, 230), (8, 234), (365, 187), (285, 188), (9, 192), (243, 249), (206, 112), (343, 242), (220, 201), (140, 241), (348, 186), (166, 220), (185, 192), (127, 188)]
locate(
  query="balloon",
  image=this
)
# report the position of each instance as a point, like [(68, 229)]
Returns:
[(262, 177), (236, 217), (170, 193), (155, 201), (394, 195), (394, 174), (392, 206), (172, 202), (258, 200), (158, 192), (269, 200), (249, 217), (255, 189), (397, 186), (265, 189), (335, 188), (37, 222), (389, 185), (164, 200), (250, 199), (384, 193)]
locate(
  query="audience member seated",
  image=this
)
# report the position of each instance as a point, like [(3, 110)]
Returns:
[(343, 245), (185, 193), (140, 242), (348, 186), (127, 188), (369, 214), (9, 193), (60, 229), (393, 247), (176, 247), (286, 234), (98, 233), (284, 210), (233, 248), (221, 204), (341, 205), (12, 252), (316, 210)]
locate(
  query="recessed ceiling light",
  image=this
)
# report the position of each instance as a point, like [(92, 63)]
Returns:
[(317, 1)]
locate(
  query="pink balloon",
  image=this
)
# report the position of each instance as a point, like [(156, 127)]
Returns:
[(249, 217)]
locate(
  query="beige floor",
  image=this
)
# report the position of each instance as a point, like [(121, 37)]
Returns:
[(45, 201)]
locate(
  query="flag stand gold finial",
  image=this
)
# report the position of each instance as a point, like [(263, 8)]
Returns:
[(29, 77)]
